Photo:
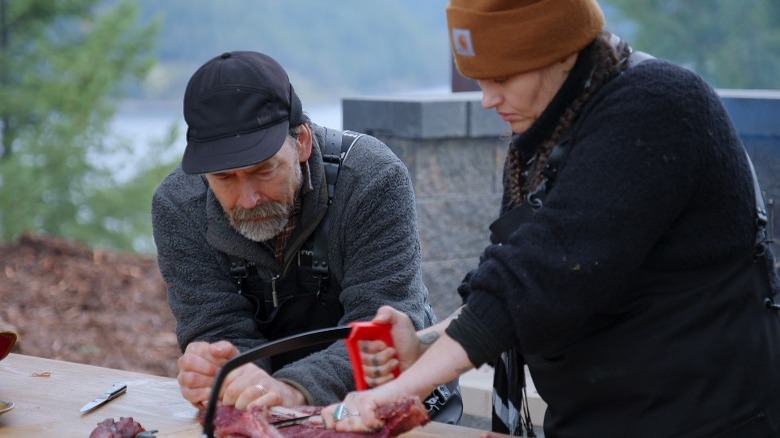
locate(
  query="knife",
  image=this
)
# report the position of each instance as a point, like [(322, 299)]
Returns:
[(114, 392), (296, 421), (291, 417)]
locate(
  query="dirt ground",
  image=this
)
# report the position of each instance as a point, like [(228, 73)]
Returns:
[(97, 307)]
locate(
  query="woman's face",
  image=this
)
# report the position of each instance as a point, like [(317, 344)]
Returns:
[(521, 98)]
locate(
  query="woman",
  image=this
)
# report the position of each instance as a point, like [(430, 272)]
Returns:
[(627, 270)]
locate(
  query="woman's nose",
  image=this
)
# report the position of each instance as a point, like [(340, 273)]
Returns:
[(490, 99)]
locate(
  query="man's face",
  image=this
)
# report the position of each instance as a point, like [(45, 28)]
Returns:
[(258, 200)]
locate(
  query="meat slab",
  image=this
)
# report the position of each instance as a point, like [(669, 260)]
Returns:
[(229, 422)]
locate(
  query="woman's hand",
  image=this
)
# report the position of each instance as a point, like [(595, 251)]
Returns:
[(357, 413), (406, 341), (432, 357), (379, 360)]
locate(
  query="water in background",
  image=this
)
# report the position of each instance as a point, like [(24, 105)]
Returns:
[(140, 128)]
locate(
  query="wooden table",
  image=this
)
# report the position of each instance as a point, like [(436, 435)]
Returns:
[(49, 393)]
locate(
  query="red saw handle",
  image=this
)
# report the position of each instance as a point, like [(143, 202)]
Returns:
[(366, 331)]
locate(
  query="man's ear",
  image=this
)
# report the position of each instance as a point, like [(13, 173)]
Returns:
[(304, 143)]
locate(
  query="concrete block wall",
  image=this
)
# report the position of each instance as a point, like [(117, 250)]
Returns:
[(454, 151), (756, 114)]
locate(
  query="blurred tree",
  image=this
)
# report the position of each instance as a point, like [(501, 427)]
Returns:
[(62, 65), (732, 44)]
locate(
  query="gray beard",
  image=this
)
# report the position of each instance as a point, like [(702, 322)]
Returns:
[(262, 222)]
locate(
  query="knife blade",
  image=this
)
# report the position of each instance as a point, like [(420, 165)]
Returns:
[(115, 391), (314, 419), (291, 417)]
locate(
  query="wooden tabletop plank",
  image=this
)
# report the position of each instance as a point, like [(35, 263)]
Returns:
[(49, 393)]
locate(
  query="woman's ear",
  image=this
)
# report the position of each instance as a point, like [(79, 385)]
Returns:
[(304, 143)]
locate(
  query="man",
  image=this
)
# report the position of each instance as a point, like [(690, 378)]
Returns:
[(248, 194)]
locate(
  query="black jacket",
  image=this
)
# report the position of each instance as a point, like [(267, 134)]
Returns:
[(632, 293), (374, 253)]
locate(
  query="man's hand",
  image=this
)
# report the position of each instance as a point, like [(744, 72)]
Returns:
[(198, 368), (248, 384)]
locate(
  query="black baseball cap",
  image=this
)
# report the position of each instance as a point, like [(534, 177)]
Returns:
[(239, 107)]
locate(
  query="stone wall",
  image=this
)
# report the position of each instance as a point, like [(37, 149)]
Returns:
[(455, 150), (756, 114)]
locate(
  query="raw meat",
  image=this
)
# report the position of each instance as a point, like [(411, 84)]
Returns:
[(229, 422), (126, 427)]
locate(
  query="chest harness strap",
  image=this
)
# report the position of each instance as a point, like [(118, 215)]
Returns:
[(313, 255)]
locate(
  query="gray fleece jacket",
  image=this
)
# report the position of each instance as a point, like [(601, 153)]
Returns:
[(374, 254)]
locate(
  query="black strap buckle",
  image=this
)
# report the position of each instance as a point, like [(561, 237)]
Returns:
[(238, 272), (444, 404)]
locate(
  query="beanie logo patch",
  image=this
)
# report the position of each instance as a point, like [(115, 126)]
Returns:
[(461, 39)]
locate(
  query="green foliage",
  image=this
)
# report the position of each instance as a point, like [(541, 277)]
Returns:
[(121, 210), (732, 44), (62, 64)]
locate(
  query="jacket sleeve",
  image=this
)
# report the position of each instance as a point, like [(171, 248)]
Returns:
[(636, 193), (375, 255), (201, 294)]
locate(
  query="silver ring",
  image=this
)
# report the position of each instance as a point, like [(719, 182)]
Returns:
[(260, 388), (341, 412)]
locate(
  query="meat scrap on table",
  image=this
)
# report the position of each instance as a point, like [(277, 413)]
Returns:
[(126, 427)]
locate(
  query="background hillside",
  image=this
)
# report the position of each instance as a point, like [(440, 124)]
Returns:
[(329, 48)]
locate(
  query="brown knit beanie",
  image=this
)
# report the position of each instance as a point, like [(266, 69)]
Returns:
[(500, 38)]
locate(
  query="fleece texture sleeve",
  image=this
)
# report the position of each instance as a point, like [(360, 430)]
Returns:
[(376, 256), (201, 294), (651, 154)]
